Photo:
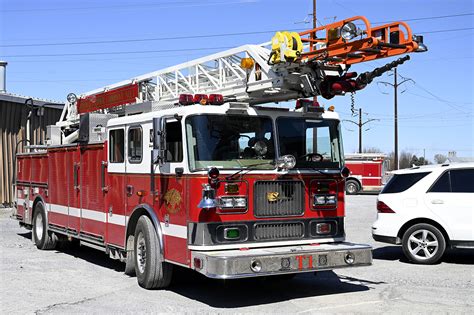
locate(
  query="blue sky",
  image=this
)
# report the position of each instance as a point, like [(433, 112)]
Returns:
[(435, 112)]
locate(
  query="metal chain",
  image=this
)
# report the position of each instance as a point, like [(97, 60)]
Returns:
[(353, 111)]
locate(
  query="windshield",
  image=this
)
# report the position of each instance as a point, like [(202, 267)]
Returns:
[(314, 143), (230, 142)]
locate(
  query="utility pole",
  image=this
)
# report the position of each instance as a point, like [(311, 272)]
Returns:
[(315, 98), (360, 124), (395, 86)]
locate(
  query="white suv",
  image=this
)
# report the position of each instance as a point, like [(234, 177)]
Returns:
[(427, 209)]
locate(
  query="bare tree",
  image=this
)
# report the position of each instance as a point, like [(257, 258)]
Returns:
[(440, 158), (371, 150)]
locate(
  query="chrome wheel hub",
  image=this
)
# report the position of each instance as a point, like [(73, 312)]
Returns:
[(39, 227), (423, 244), (141, 253)]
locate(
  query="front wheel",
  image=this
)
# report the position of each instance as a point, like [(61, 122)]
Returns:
[(352, 187), (423, 244), (152, 272), (41, 237)]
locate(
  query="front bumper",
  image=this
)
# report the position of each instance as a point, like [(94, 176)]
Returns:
[(254, 262)]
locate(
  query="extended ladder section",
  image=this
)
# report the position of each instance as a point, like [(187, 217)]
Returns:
[(291, 66)]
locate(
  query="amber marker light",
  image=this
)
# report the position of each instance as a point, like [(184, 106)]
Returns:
[(141, 193), (247, 63)]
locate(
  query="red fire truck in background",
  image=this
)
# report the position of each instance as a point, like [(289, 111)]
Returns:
[(368, 172), (190, 166)]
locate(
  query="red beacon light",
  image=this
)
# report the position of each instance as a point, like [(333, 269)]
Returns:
[(306, 104), (185, 99), (201, 99), (216, 99)]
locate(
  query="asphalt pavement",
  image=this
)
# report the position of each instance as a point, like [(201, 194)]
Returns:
[(83, 280)]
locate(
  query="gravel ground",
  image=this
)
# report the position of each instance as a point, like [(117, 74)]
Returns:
[(82, 280)]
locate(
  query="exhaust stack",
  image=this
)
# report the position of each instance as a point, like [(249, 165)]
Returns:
[(3, 76)]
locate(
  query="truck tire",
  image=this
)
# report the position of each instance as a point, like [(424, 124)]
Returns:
[(423, 244), (352, 187), (130, 261), (151, 271), (42, 238)]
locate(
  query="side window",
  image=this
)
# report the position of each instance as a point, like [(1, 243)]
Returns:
[(135, 145), (442, 184), (462, 180), (174, 142), (401, 182), (116, 146)]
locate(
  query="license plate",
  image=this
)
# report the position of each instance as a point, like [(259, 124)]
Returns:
[(304, 262)]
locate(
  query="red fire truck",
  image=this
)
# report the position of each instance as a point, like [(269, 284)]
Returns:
[(190, 166), (368, 172)]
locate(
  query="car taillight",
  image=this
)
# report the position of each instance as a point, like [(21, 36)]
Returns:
[(383, 208)]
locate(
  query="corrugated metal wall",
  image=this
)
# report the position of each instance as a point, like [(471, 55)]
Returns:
[(13, 117)]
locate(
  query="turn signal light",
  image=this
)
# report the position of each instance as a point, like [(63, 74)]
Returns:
[(383, 208)]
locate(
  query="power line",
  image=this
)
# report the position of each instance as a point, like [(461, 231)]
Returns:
[(162, 5), (131, 40), (120, 52), (429, 18), (222, 35), (147, 51)]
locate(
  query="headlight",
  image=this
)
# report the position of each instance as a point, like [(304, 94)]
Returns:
[(349, 31), (233, 202), (324, 200)]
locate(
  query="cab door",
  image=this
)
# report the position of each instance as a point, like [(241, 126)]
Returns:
[(138, 159), (171, 184), (115, 200)]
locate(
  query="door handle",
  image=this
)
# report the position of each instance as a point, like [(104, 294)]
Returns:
[(437, 201), (129, 190)]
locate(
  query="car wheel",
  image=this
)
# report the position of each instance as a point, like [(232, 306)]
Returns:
[(152, 272), (352, 187), (423, 244), (42, 238)]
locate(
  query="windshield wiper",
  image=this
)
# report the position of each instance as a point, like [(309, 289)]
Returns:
[(249, 168)]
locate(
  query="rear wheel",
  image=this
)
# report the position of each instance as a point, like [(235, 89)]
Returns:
[(352, 187), (41, 237), (152, 272), (423, 244)]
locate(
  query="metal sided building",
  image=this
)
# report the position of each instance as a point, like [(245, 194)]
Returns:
[(22, 120)]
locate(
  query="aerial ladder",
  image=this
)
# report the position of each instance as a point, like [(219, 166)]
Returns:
[(293, 65)]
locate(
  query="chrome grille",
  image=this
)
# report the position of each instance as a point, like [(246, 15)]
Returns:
[(277, 231), (290, 200)]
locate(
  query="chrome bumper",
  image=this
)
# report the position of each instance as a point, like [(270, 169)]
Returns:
[(254, 262)]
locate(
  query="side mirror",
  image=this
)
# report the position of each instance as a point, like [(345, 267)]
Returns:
[(345, 172), (159, 141)]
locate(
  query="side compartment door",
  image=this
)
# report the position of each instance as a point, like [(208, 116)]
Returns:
[(73, 165), (93, 212), (115, 202), (172, 187)]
